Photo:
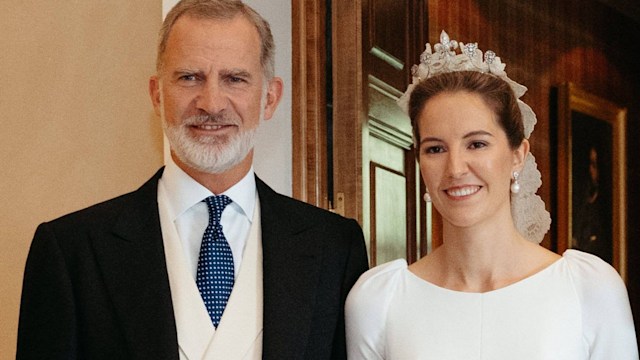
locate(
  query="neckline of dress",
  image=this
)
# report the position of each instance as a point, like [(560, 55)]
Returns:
[(513, 285)]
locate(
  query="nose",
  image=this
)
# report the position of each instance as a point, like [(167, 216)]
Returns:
[(456, 164), (212, 98)]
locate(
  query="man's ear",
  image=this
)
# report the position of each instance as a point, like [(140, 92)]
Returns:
[(520, 155), (154, 93), (274, 94)]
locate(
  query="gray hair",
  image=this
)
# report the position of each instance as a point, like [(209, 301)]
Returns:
[(218, 10)]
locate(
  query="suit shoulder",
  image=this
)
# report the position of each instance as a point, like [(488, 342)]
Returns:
[(296, 208), (107, 211), (91, 217), (310, 211)]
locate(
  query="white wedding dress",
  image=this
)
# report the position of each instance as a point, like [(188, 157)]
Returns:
[(575, 309)]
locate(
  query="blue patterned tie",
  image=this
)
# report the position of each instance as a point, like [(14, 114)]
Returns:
[(215, 274)]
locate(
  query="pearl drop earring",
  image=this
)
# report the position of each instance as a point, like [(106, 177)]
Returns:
[(426, 197), (515, 185)]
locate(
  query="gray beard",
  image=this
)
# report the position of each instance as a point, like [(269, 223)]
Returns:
[(213, 155)]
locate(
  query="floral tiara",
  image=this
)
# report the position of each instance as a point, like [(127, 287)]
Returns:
[(444, 58)]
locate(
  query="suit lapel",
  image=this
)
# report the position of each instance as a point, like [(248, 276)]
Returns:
[(133, 264), (291, 272)]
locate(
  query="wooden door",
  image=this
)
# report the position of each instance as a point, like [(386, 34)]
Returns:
[(392, 206), (371, 171)]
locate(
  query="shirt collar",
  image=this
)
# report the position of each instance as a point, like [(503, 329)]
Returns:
[(184, 192)]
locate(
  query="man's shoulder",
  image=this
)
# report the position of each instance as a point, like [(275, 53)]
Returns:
[(109, 209), (296, 207)]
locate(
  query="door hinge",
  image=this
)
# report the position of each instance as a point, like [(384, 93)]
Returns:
[(339, 204)]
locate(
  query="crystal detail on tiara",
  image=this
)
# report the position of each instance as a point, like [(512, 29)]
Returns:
[(446, 46), (424, 58), (489, 57), (530, 216), (470, 49)]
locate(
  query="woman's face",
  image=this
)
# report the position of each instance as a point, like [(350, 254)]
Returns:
[(465, 159)]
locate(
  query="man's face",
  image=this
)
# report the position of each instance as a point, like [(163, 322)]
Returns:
[(211, 92)]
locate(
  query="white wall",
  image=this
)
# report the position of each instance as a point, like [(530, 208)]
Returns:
[(77, 123), (273, 152)]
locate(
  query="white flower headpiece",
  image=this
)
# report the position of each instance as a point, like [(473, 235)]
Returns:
[(528, 210)]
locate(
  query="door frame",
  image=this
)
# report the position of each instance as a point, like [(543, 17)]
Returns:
[(310, 174)]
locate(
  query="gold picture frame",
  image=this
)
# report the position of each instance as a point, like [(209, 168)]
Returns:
[(591, 176)]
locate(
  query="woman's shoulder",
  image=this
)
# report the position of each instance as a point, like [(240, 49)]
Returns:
[(367, 306), (584, 264), (377, 283), (592, 276), (606, 313), (381, 276)]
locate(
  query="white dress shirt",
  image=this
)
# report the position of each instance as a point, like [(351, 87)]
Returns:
[(191, 216)]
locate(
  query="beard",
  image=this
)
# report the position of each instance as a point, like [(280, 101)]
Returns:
[(209, 154)]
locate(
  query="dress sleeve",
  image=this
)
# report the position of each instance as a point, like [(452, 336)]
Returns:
[(606, 314), (366, 310)]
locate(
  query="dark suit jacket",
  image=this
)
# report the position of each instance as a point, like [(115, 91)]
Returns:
[(96, 283)]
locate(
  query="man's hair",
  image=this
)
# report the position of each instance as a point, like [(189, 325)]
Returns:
[(220, 10)]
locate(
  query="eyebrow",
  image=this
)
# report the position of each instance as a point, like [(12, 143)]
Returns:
[(236, 72), (476, 133), (231, 72), (466, 136), (180, 71)]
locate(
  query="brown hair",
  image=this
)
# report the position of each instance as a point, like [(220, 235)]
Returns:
[(217, 10), (495, 92)]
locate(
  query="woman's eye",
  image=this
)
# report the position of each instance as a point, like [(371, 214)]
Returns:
[(477, 145), (434, 149)]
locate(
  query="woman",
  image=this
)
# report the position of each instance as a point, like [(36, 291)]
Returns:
[(490, 291)]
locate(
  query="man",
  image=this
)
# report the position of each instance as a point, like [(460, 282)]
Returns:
[(139, 276)]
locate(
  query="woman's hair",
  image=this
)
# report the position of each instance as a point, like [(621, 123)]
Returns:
[(495, 92), (220, 10)]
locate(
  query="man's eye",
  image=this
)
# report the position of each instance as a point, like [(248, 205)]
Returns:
[(236, 79), (188, 77)]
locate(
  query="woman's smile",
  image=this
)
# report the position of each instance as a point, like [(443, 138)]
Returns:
[(462, 191)]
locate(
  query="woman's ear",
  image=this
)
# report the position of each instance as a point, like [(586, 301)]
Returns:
[(520, 154)]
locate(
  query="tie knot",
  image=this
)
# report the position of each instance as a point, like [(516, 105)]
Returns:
[(216, 205)]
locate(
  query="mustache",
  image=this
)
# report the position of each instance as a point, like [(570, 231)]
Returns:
[(210, 119)]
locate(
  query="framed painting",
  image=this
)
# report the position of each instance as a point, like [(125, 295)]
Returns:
[(591, 203)]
